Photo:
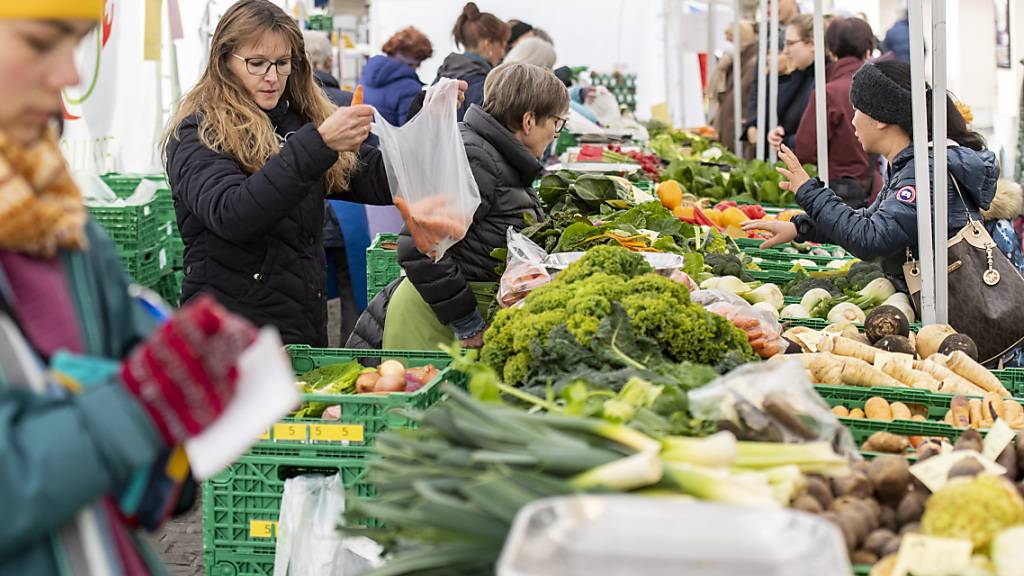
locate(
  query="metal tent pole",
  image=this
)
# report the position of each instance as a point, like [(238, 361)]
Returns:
[(666, 30), (926, 259), (712, 46), (762, 87), (940, 169), (737, 80), (819, 91), (773, 78)]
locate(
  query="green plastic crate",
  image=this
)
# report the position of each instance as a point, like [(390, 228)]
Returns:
[(774, 255), (862, 429), (778, 277), (147, 266), (855, 397), (381, 265), (241, 505), (231, 563), (169, 288), (1012, 379), (821, 323), (131, 226)]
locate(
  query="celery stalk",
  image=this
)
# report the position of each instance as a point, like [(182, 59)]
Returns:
[(719, 449)]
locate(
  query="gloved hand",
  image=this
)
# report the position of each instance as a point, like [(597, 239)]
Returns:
[(186, 372)]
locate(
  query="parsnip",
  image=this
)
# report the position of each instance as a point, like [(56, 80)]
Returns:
[(965, 366), (843, 346), (911, 377), (949, 382), (877, 408)]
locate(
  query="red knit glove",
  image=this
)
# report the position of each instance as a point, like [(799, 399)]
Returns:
[(186, 372)]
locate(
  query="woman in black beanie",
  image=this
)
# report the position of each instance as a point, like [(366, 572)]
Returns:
[(887, 229)]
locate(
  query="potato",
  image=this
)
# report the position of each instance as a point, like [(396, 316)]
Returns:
[(890, 476), (900, 411), (840, 411), (877, 408), (857, 414), (967, 467), (911, 508), (853, 484), (820, 490), (887, 518), (862, 509), (1008, 459), (892, 547), (806, 503), (863, 557), (918, 418), (969, 440), (391, 367), (877, 540), (885, 442)]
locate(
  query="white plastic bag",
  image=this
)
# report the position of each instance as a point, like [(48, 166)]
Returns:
[(428, 171), (308, 541)]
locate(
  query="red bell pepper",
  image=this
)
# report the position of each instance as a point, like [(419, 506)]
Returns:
[(721, 206), (702, 218), (753, 211)]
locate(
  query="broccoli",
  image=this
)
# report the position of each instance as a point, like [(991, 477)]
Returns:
[(727, 265), (860, 275), (579, 298), (802, 283)]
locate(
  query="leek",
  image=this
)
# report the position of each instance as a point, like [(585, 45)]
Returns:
[(718, 485), (719, 449), (629, 473)]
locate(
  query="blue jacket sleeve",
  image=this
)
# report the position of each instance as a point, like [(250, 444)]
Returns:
[(237, 206), (884, 228), (61, 455)]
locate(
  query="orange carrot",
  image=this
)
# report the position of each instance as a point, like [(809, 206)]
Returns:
[(357, 96)]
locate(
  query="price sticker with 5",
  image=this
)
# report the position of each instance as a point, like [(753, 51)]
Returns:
[(336, 433), (293, 432)]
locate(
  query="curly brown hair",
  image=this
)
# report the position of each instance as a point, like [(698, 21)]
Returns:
[(411, 43)]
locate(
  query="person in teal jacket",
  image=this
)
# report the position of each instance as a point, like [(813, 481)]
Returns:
[(95, 398)]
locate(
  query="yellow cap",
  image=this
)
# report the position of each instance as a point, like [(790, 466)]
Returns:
[(52, 9)]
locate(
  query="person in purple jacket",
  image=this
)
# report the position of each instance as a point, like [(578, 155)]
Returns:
[(389, 80)]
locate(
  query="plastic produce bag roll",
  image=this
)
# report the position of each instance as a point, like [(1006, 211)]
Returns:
[(428, 171)]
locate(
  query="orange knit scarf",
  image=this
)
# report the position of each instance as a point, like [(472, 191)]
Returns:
[(41, 208)]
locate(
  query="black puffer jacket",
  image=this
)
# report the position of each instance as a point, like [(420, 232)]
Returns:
[(504, 171), (255, 241)]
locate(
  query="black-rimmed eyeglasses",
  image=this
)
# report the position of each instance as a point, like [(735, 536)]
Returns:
[(260, 66), (560, 123)]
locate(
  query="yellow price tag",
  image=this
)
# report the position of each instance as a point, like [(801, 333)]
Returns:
[(336, 433), (291, 432), (262, 528), (265, 435)]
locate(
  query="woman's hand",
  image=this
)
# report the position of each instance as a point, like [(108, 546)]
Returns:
[(347, 128), (780, 230), (793, 172), (463, 86), (775, 137), (475, 341)]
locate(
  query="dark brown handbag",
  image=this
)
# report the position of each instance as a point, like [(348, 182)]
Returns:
[(986, 291)]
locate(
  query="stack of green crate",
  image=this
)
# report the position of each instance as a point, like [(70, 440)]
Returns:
[(146, 236), (381, 264), (241, 504), (622, 86)]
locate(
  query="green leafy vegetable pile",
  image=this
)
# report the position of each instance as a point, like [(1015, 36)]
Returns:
[(606, 311), (331, 379)]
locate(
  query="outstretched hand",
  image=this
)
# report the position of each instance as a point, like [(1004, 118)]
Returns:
[(793, 172), (780, 230)]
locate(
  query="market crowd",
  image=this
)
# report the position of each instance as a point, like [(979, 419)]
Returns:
[(94, 391)]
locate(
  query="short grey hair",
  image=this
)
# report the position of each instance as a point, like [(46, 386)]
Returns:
[(539, 33), (318, 47), (513, 89), (533, 50)]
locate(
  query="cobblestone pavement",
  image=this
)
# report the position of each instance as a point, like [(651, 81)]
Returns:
[(179, 544)]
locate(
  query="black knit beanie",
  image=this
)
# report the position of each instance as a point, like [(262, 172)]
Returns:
[(518, 30), (876, 95)]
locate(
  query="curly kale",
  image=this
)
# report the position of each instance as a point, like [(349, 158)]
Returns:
[(656, 311), (612, 260)]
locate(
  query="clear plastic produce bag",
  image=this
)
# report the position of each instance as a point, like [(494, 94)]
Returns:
[(613, 535), (771, 402), (524, 269), (763, 329), (428, 171), (308, 540)]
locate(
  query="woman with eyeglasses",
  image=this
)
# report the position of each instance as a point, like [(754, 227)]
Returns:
[(250, 155), (524, 109), (796, 91), (853, 172)]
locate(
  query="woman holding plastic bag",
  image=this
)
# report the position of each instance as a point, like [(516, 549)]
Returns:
[(447, 295), (92, 395), (250, 154)]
